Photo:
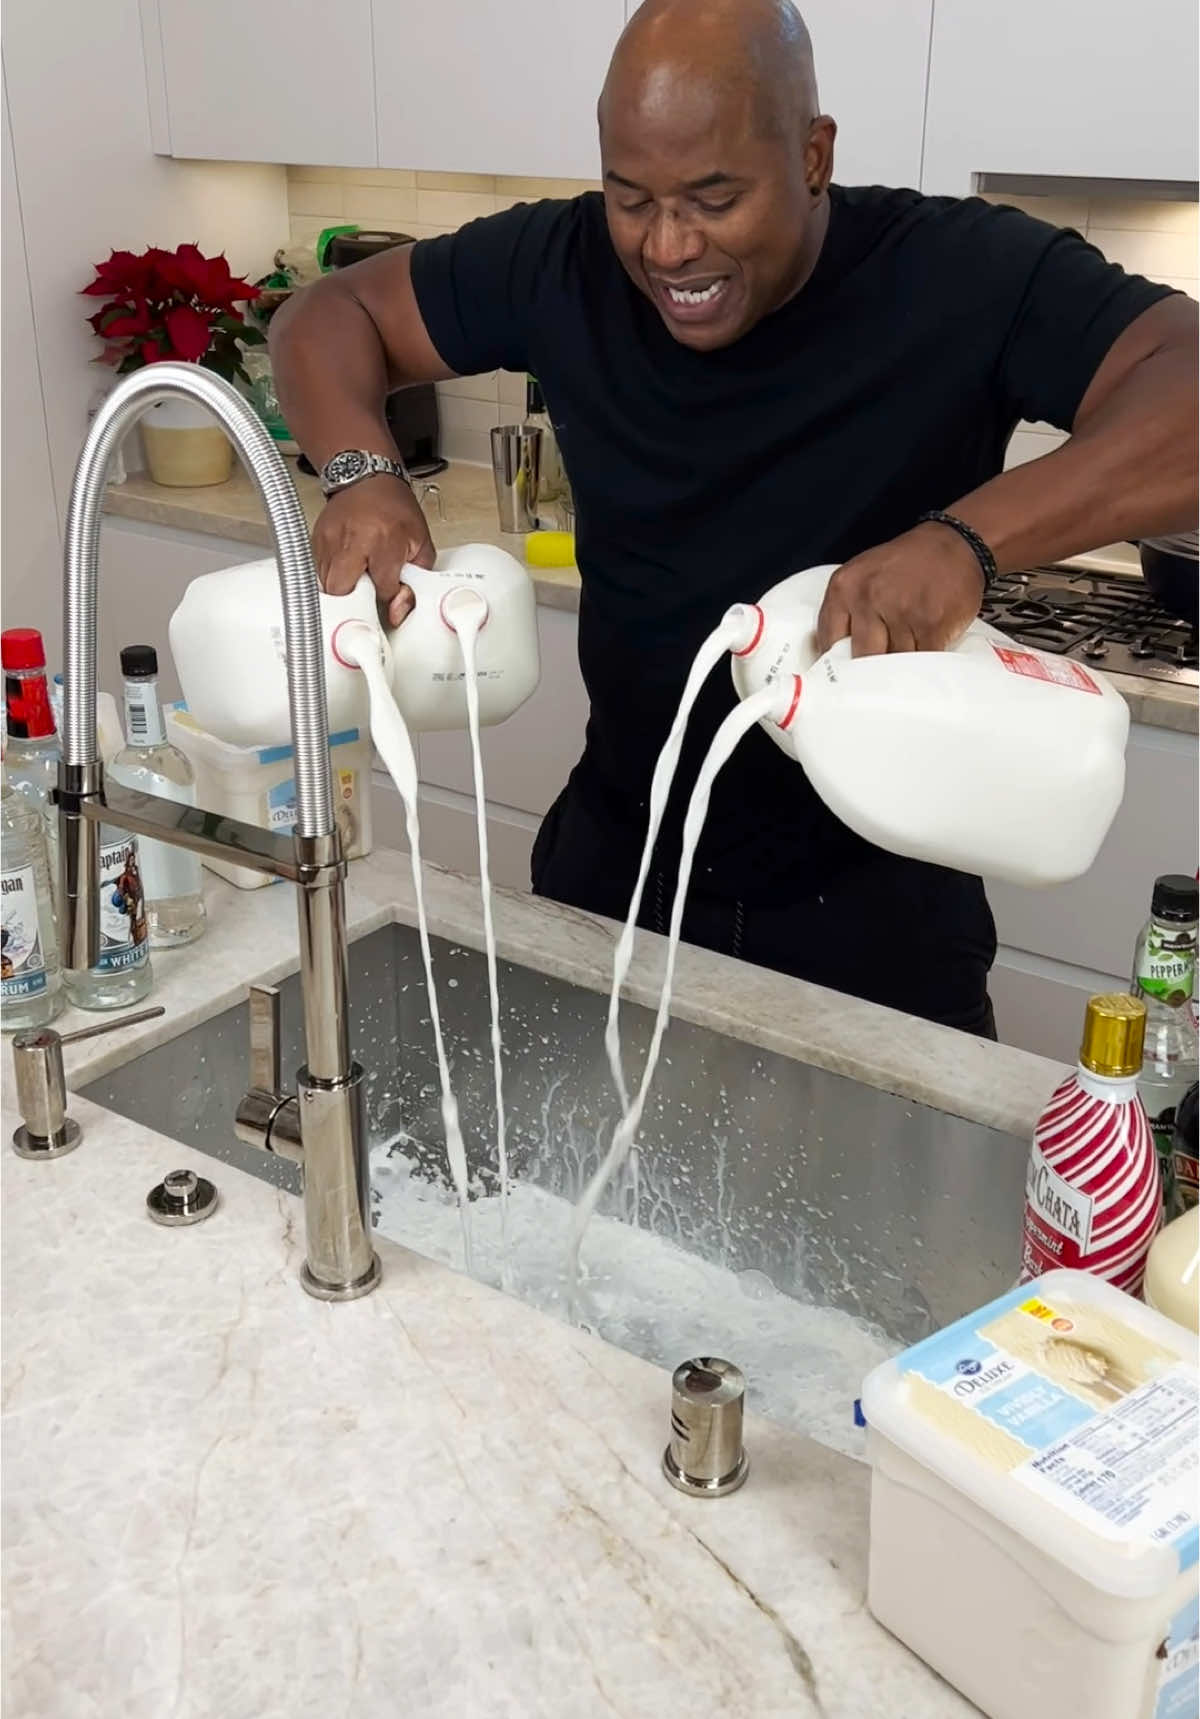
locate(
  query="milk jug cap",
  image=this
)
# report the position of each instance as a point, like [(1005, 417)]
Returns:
[(1114, 1033)]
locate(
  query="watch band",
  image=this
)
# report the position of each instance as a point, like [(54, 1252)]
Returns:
[(975, 543), (351, 465)]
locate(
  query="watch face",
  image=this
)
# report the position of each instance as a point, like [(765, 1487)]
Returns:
[(345, 467)]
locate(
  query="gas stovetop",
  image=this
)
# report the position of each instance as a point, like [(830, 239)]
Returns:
[(1097, 618)]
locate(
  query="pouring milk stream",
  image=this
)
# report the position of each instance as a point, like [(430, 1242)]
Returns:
[(467, 656), (989, 757)]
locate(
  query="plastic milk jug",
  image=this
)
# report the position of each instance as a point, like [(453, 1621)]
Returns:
[(228, 644), (989, 757)]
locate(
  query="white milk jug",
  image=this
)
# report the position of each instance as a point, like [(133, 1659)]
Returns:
[(989, 757), (426, 656), (227, 641)]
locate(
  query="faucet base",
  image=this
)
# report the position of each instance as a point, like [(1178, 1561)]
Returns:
[(341, 1291)]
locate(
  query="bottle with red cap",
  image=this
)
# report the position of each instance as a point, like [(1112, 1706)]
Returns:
[(32, 750)]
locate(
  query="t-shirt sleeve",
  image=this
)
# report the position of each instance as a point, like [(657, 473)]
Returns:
[(1074, 306), (476, 289)]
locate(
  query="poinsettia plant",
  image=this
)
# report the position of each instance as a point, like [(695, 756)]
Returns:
[(178, 305)]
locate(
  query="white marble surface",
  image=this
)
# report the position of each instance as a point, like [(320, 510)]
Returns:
[(252, 935), (224, 1500)]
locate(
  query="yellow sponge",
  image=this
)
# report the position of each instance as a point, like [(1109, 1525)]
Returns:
[(550, 549)]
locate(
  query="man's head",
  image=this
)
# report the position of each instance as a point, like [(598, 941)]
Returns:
[(715, 161)]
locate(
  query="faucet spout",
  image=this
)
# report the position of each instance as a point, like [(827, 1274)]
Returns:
[(340, 1264)]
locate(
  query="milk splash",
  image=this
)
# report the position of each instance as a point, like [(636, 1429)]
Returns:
[(466, 612), (355, 643), (738, 723)]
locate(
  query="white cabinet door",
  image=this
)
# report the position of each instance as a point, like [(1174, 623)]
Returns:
[(1093, 922), (472, 86), (276, 80), (871, 61), (1061, 87)]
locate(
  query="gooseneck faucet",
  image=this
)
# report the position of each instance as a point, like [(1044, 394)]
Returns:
[(323, 1128)]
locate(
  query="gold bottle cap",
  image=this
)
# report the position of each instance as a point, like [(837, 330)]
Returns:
[(1114, 1033)]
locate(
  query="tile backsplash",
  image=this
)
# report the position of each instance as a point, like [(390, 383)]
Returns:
[(1157, 239), (425, 204)]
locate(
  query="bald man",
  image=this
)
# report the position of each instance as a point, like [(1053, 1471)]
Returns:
[(753, 370)]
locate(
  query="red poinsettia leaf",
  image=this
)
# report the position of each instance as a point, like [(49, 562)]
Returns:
[(126, 320), (189, 332), (152, 352)]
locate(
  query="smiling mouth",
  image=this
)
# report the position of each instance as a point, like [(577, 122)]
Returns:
[(692, 303)]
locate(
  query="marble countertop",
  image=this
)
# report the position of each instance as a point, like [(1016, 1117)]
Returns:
[(233, 510), (225, 1500), (222, 1498)]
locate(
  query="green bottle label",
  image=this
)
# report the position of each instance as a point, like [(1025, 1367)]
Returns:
[(1165, 970)]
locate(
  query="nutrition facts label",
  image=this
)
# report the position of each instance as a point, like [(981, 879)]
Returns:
[(1130, 1473)]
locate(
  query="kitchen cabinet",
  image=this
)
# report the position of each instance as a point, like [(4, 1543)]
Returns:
[(480, 88), (279, 80), (871, 62), (1061, 88), (1059, 946)]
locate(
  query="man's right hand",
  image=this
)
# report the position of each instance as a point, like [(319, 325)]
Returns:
[(374, 527)]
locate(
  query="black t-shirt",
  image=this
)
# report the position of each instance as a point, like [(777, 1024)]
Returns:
[(888, 385)]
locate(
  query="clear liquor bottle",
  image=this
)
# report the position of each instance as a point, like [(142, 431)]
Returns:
[(31, 989), (171, 876)]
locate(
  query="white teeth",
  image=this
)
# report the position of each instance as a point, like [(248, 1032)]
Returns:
[(679, 295)]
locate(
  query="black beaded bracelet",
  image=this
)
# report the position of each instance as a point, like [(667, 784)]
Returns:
[(980, 550)]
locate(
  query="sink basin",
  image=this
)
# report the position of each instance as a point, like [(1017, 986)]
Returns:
[(762, 1182)]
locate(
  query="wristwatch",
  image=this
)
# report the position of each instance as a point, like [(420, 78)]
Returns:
[(352, 465)]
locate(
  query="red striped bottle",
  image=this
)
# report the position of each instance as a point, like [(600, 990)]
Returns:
[(1093, 1198)]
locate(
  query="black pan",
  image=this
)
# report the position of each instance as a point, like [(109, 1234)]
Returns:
[(1174, 581)]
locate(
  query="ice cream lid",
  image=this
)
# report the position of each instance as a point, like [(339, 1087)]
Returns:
[(1071, 1413)]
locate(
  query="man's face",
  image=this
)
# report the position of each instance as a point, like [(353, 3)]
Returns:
[(708, 212)]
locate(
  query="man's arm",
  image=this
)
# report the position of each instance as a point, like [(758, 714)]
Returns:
[(1129, 470), (337, 348)]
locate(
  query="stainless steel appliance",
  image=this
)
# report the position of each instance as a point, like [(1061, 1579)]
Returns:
[(412, 413), (1100, 618)]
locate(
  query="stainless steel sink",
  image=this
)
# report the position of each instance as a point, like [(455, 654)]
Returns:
[(842, 1195)]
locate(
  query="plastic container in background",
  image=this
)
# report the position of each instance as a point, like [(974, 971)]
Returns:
[(989, 757), (1033, 1504), (257, 786), (110, 736)]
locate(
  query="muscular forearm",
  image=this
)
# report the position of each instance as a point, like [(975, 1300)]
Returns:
[(1128, 471), (331, 372)]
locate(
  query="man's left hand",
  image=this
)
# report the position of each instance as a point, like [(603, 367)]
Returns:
[(920, 592)]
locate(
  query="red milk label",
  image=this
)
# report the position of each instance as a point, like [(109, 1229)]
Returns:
[(1035, 666)]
